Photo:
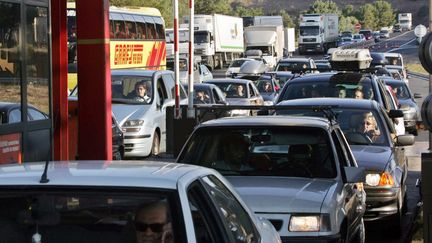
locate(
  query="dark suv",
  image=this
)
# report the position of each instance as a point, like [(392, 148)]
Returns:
[(367, 34)]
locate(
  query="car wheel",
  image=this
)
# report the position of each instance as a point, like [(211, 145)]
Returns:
[(156, 145), (360, 236), (397, 220)]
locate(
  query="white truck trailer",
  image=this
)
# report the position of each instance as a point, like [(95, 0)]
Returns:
[(405, 21), (289, 39), (269, 39), (318, 32), (218, 39)]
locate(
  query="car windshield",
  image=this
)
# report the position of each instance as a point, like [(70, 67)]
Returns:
[(401, 90), (262, 151), (132, 89), (292, 66), (201, 37), (336, 87), (233, 90), (237, 63), (354, 124), (182, 64), (264, 86), (309, 30), (78, 215), (397, 61)]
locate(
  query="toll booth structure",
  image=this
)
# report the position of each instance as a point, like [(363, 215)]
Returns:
[(33, 80)]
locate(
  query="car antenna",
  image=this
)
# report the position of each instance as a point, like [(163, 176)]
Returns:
[(44, 178)]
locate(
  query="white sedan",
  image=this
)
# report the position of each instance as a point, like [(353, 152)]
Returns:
[(126, 201)]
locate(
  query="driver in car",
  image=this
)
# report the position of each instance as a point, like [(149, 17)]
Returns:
[(368, 126)]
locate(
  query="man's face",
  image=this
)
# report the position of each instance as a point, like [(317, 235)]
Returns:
[(140, 90), (152, 225), (342, 93), (358, 95)]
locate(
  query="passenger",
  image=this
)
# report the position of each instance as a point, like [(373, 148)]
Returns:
[(201, 97), (358, 94), (240, 92), (341, 92), (152, 223), (268, 87), (368, 126), (235, 150), (141, 92)]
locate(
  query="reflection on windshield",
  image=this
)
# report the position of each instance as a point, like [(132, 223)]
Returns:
[(309, 30), (182, 64), (233, 90), (132, 89), (360, 126), (263, 151)]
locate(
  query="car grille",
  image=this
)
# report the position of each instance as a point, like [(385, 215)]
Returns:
[(199, 52), (276, 223), (309, 40)]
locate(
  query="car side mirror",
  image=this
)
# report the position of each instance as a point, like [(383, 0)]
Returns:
[(417, 96), (354, 174), (405, 140), (395, 113)]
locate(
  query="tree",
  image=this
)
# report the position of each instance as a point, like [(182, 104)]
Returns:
[(287, 20), (348, 10), (242, 11), (320, 6), (369, 16), (385, 14), (347, 23), (212, 7)]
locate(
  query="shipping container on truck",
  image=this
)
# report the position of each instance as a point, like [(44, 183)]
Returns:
[(318, 32), (262, 20), (405, 21), (289, 39), (218, 39), (269, 39)]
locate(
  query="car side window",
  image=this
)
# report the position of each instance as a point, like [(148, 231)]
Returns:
[(251, 91), (36, 115), (231, 211), (162, 91), (170, 86), (216, 96), (340, 150), (347, 150), (206, 225), (15, 116)]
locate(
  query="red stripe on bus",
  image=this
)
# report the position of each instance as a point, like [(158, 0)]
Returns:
[(161, 53)]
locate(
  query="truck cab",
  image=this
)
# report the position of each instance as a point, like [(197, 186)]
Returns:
[(317, 32)]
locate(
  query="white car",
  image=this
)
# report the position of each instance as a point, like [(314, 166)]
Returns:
[(143, 121), (105, 201), (395, 61), (235, 65)]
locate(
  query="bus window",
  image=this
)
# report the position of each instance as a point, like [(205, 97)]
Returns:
[(159, 28), (119, 31), (130, 28), (111, 28), (151, 29), (141, 27)]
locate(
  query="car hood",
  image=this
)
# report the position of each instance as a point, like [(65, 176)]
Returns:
[(282, 194), (129, 112), (373, 158)]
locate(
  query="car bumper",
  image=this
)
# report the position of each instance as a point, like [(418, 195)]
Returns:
[(381, 203), (137, 145), (310, 47), (317, 239)]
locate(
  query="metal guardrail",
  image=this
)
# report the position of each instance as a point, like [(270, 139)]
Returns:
[(419, 75)]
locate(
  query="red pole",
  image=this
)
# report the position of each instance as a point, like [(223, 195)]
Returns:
[(94, 77), (59, 79)]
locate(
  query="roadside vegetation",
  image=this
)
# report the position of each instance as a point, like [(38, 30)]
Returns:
[(416, 67)]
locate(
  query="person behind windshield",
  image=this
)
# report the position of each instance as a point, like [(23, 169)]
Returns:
[(358, 94), (235, 149), (240, 91), (368, 126), (152, 224), (268, 87), (141, 92), (201, 97), (341, 92)]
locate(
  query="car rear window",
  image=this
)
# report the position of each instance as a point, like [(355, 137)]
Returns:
[(262, 151)]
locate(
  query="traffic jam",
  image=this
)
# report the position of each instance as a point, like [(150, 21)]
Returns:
[(264, 133)]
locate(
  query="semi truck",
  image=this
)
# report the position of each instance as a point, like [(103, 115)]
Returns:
[(405, 21), (318, 32), (269, 39), (218, 39)]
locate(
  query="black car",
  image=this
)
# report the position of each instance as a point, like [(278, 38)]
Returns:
[(407, 102), (367, 34), (341, 85), (383, 157)]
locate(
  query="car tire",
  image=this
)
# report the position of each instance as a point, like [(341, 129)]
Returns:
[(155, 145), (396, 222)]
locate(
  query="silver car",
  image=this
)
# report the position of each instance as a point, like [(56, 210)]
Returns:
[(239, 92), (124, 201), (297, 172)]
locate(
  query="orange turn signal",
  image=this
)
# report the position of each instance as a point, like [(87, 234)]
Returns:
[(386, 179)]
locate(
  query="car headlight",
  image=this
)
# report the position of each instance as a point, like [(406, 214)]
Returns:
[(305, 223), (268, 102), (239, 112), (384, 179), (133, 123)]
